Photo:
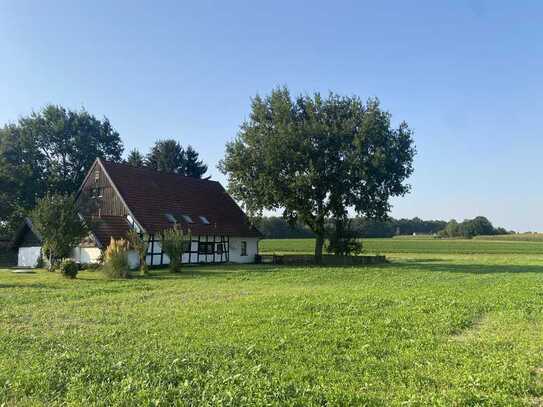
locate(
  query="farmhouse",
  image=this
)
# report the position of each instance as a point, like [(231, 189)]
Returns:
[(115, 198)]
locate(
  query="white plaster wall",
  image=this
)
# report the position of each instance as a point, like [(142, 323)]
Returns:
[(86, 255), (28, 256), (133, 260), (235, 249)]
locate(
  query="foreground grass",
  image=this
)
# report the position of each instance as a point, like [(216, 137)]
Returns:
[(426, 329)]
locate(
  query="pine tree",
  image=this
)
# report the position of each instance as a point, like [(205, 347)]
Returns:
[(166, 156), (193, 166), (135, 159)]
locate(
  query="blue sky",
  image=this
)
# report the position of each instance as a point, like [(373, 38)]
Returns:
[(466, 76)]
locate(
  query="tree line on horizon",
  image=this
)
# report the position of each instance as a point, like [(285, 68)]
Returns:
[(51, 151), (275, 227)]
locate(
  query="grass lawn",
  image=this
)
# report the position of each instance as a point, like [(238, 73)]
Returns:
[(430, 328)]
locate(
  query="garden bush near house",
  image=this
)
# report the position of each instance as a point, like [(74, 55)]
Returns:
[(140, 246), (116, 259), (68, 268), (175, 243)]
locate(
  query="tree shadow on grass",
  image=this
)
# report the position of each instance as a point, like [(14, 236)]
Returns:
[(215, 271), (34, 285)]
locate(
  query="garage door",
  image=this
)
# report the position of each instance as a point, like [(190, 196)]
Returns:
[(28, 256)]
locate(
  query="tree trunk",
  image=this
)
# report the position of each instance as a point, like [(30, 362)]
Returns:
[(319, 243)]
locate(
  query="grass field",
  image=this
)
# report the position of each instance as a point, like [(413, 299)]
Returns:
[(518, 237), (428, 246), (433, 327)]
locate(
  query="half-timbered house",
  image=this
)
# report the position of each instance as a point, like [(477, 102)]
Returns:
[(115, 198)]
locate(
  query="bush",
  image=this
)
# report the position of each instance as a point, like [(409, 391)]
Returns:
[(116, 259), (68, 268), (343, 241), (175, 243)]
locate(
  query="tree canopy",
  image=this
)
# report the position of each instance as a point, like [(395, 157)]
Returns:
[(135, 159), (49, 151), (170, 156), (315, 157)]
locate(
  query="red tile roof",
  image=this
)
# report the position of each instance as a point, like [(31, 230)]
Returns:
[(150, 195), (107, 227)]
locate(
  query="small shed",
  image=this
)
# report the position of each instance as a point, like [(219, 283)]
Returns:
[(28, 244)]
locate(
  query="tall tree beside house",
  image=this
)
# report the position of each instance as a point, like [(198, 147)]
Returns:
[(315, 157), (50, 151), (170, 156), (166, 156), (135, 159), (193, 166), (57, 221)]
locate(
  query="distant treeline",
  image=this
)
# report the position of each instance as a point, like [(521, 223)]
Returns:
[(277, 228)]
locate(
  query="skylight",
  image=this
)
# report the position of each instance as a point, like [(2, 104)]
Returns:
[(204, 220), (187, 218)]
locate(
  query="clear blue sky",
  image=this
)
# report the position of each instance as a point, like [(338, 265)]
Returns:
[(466, 76)]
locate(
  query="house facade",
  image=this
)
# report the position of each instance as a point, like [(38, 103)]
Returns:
[(115, 198)]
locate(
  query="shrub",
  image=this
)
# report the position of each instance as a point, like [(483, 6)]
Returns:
[(40, 263), (139, 245), (68, 268), (343, 241), (116, 259), (175, 243)]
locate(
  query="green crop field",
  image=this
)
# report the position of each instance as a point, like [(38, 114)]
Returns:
[(417, 245), (450, 323)]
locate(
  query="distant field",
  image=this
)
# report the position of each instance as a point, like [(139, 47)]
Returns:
[(384, 246), (521, 237), (432, 327)]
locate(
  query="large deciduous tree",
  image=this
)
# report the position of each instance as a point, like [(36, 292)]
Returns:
[(317, 157), (50, 151)]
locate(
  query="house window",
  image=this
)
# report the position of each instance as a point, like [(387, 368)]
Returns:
[(96, 176), (244, 248), (204, 220), (96, 192), (206, 247), (220, 248), (187, 218)]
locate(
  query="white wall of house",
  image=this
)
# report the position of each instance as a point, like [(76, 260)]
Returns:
[(28, 256), (86, 255), (236, 255)]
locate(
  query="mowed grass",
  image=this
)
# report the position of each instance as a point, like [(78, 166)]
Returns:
[(426, 329), (417, 245)]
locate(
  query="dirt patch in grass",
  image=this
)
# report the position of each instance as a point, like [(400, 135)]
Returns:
[(473, 329)]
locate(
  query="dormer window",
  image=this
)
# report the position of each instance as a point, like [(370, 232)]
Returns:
[(187, 218), (204, 220)]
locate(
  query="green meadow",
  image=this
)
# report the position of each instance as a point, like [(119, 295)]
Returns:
[(448, 323)]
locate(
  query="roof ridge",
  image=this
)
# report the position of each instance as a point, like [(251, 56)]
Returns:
[(147, 169)]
